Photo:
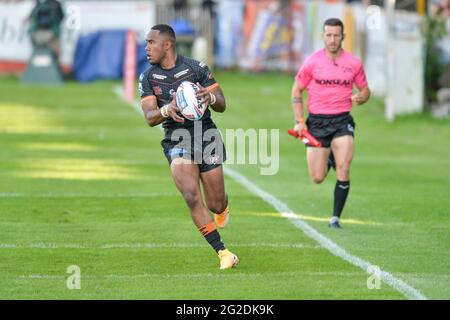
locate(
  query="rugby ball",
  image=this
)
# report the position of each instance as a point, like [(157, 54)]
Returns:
[(188, 103)]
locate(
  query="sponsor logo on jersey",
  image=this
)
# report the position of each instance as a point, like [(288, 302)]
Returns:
[(337, 82), (181, 73), (158, 76), (157, 90), (346, 69)]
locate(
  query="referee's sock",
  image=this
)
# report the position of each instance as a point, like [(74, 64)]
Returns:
[(340, 196), (211, 235)]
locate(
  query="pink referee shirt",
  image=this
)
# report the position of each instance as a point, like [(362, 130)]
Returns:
[(330, 82)]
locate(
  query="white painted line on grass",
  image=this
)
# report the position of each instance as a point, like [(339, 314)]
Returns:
[(118, 90), (42, 245), (85, 195), (398, 284), (285, 211), (196, 275)]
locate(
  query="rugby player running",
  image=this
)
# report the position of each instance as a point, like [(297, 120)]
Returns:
[(157, 87), (328, 76)]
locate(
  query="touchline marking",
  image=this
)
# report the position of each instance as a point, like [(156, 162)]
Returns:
[(118, 90), (286, 212), (398, 284)]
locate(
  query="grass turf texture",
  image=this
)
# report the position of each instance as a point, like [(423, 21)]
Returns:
[(83, 181)]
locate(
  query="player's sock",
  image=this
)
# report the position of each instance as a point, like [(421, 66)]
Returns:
[(340, 196), (211, 235)]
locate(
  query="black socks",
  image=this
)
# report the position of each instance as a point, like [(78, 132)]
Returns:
[(340, 196), (212, 236)]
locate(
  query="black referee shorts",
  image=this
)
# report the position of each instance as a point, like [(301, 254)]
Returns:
[(325, 127)]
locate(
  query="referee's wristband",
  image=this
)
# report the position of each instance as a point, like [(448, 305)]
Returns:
[(301, 120)]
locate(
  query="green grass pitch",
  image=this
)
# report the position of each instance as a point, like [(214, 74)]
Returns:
[(83, 182)]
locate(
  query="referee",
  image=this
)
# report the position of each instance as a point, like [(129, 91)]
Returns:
[(328, 76)]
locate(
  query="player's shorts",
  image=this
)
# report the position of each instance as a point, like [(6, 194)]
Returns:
[(326, 127), (204, 146)]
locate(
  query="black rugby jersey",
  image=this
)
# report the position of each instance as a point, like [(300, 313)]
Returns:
[(162, 83)]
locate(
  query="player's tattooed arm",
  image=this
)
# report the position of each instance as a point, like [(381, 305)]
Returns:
[(362, 96), (297, 100), (297, 106), (213, 98)]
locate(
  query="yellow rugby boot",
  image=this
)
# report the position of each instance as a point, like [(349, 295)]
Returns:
[(227, 259)]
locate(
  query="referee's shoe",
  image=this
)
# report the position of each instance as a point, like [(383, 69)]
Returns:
[(334, 223)]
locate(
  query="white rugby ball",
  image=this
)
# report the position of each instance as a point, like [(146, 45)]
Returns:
[(188, 103)]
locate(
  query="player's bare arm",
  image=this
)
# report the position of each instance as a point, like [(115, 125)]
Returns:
[(155, 115), (297, 106), (362, 96), (150, 109), (213, 98)]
